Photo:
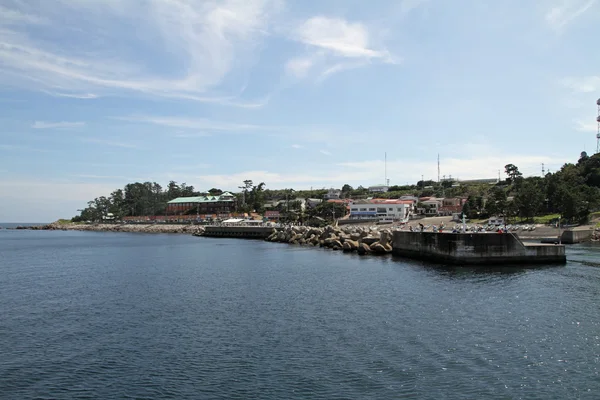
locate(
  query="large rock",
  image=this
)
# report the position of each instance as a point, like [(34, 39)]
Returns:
[(355, 236), (363, 248), (370, 239), (385, 237), (350, 245), (378, 248)]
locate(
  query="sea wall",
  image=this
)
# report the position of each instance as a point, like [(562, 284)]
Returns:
[(243, 232), (576, 236), (474, 248)]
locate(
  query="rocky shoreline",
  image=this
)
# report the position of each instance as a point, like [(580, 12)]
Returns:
[(363, 240), (130, 228)]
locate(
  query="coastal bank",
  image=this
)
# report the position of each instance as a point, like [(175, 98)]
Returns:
[(446, 248)]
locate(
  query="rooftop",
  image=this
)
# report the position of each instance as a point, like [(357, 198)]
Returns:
[(203, 199)]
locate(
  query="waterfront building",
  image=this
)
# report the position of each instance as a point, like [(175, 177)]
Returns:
[(385, 210), (223, 204), (429, 206)]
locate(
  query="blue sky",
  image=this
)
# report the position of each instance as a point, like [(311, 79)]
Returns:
[(96, 94)]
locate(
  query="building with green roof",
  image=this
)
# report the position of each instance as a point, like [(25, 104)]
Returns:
[(222, 204)]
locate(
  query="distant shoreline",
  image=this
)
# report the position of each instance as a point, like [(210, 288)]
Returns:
[(130, 228)]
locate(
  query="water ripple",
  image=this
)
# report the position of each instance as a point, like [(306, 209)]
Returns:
[(93, 315)]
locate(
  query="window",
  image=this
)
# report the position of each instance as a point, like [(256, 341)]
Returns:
[(371, 209), (363, 209), (391, 209), (354, 209)]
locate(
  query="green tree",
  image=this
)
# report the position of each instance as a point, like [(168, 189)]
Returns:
[(327, 211), (513, 172), (466, 210), (496, 203), (529, 199)]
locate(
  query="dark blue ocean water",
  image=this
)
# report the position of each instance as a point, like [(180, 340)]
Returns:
[(116, 315)]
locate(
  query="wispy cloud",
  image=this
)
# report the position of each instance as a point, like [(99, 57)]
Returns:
[(12, 17), (564, 13), (56, 125), (406, 6), (109, 177), (343, 38), (327, 153), (84, 96), (586, 84), (297, 146), (190, 123), (14, 147), (299, 67), (199, 42), (111, 143), (334, 45), (584, 126)]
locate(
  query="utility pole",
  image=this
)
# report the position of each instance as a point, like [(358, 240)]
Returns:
[(543, 170)]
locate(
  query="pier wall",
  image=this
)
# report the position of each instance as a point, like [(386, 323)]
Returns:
[(474, 248), (576, 236), (245, 232)]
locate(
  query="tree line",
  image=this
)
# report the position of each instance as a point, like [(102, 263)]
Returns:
[(573, 192)]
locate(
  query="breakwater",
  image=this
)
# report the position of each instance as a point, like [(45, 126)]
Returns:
[(447, 248), (475, 248), (242, 232)]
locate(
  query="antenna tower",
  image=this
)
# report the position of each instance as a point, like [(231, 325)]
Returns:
[(385, 182), (543, 170), (598, 132), (438, 167)]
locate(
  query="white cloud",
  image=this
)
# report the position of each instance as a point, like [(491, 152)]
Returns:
[(56, 125), (327, 153), (200, 42), (191, 123), (11, 17), (111, 143), (586, 84), (559, 16), (299, 67), (334, 45), (371, 172), (85, 96), (14, 147), (25, 200), (339, 36), (102, 177), (297, 146), (586, 126), (406, 6)]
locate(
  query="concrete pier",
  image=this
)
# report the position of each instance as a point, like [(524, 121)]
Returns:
[(475, 249), (244, 232)]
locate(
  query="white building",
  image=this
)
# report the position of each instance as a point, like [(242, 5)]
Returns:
[(332, 194), (379, 188), (383, 210), (430, 206)]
